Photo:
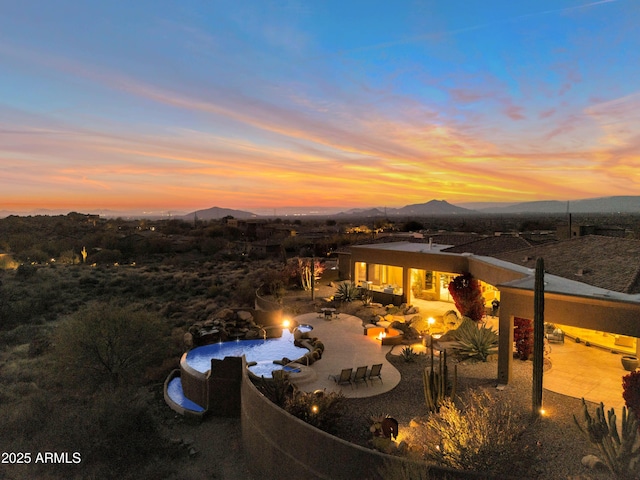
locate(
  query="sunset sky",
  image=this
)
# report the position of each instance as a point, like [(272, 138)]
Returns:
[(259, 105)]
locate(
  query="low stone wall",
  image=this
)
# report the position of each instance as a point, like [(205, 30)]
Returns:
[(263, 303)]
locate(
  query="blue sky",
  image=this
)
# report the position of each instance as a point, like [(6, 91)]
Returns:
[(155, 106)]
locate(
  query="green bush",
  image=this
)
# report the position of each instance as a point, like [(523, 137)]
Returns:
[(320, 409)]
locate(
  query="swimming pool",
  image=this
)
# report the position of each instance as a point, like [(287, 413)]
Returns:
[(254, 351), (262, 354)]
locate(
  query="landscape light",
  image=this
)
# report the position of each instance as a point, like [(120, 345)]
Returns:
[(314, 409), (286, 323)]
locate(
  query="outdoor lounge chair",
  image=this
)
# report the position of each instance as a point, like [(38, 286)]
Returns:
[(360, 376), (344, 377), (375, 372)]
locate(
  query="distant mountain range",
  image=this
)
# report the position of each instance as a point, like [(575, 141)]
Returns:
[(628, 204), (215, 213), (620, 204), (617, 204)]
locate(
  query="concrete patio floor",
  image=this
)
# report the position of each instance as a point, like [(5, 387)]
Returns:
[(346, 346), (577, 370)]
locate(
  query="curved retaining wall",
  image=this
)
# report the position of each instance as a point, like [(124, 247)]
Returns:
[(279, 446), (198, 416), (264, 304)]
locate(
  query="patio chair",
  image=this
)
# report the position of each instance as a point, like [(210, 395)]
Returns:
[(374, 372), (344, 377), (360, 376)]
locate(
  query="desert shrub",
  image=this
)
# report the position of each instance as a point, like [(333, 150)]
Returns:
[(105, 256), (245, 292), (474, 437), (7, 262), (26, 270), (475, 342), (117, 417), (320, 409), (278, 388), (523, 337), (108, 343), (116, 435)]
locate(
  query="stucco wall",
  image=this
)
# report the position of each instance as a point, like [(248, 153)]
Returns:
[(279, 446)]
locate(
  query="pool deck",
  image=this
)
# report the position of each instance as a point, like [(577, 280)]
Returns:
[(346, 346), (577, 370)]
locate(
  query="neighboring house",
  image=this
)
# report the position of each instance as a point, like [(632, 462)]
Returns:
[(405, 271), (491, 245), (266, 247)]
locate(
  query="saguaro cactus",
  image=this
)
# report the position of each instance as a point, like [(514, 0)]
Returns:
[(538, 337)]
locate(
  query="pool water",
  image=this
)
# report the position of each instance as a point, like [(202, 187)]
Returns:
[(266, 368), (260, 351), (174, 389)]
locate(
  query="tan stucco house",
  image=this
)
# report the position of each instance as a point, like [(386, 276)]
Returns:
[(402, 272)]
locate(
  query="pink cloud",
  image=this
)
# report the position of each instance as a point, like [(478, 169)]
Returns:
[(514, 112)]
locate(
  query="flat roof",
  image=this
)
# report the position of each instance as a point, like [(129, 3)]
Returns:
[(553, 283), (406, 247)]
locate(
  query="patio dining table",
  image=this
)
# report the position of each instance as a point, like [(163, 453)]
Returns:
[(328, 312)]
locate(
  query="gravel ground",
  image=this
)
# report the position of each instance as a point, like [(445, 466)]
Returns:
[(550, 448)]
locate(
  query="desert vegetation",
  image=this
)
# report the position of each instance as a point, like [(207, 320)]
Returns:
[(75, 377)]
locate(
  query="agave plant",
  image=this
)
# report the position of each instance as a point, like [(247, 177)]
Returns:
[(409, 355), (346, 292), (475, 342)]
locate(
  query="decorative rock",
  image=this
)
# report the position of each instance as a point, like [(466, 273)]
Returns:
[(193, 452), (414, 423), (244, 316), (403, 447), (591, 461), (187, 441), (225, 313), (188, 340)]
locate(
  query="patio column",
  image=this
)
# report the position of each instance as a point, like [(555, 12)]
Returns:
[(406, 287), (505, 343)]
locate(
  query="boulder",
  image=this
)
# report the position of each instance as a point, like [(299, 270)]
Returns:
[(591, 461), (225, 314), (244, 316)]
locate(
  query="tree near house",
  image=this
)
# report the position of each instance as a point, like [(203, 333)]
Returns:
[(466, 294), (299, 269)]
